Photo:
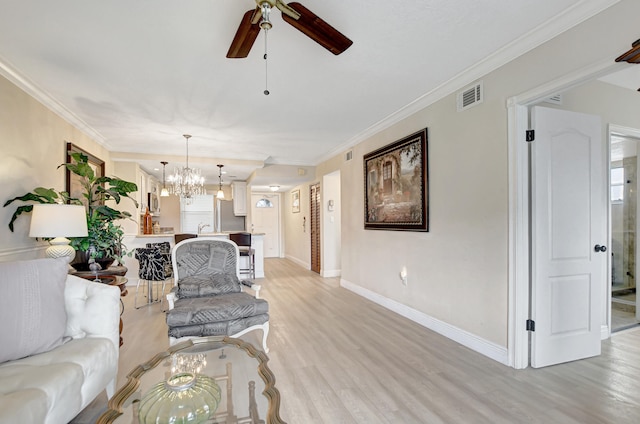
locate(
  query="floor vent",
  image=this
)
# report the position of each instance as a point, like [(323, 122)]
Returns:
[(348, 156), (470, 96), (556, 100)]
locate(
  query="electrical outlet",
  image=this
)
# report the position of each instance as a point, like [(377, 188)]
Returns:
[(403, 276)]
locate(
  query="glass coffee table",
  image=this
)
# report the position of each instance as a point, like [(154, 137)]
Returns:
[(244, 384)]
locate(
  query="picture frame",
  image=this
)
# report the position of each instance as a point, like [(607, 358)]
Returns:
[(73, 185), (295, 201), (396, 185)]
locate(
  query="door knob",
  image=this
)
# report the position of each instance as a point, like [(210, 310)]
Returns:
[(599, 248)]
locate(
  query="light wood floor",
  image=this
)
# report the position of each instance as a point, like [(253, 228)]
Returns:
[(339, 358)]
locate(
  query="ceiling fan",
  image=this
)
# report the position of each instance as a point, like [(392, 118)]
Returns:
[(293, 13)]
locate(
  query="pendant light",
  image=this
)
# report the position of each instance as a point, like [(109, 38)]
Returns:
[(187, 182), (164, 192), (220, 194)]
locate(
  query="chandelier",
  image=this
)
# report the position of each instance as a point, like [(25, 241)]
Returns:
[(186, 182)]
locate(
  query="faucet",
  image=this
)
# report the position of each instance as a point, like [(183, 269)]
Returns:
[(201, 226)]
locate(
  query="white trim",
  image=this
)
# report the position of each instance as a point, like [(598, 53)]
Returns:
[(22, 252), (28, 86), (329, 273), (473, 342), (568, 19), (518, 253), (518, 340), (605, 333)]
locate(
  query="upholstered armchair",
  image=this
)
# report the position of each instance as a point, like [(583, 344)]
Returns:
[(209, 298)]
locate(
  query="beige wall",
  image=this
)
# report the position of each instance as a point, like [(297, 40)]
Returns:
[(458, 271), (297, 236), (32, 142)]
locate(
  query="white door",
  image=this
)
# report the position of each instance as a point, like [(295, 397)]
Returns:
[(265, 218), (568, 229)]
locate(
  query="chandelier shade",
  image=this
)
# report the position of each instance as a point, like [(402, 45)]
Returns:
[(186, 182)]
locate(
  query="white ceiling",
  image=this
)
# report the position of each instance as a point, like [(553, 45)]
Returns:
[(139, 74)]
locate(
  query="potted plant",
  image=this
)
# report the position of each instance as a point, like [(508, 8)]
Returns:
[(104, 240)]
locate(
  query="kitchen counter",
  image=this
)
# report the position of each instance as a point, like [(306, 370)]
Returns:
[(141, 240), (257, 243)]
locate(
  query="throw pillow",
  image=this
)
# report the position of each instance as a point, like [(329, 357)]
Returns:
[(32, 310)]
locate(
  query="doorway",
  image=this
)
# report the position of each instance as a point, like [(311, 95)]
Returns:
[(520, 262), (624, 223), (315, 226), (265, 218)]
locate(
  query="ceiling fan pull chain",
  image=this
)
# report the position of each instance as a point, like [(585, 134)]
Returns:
[(266, 68)]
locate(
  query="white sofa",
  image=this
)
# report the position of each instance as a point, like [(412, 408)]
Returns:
[(55, 385)]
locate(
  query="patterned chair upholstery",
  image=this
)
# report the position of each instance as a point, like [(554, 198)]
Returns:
[(165, 251), (208, 297), (153, 267)]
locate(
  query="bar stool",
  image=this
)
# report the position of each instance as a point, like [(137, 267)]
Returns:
[(152, 269), (179, 237), (243, 240)]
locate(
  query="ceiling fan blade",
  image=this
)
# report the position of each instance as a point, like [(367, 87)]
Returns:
[(318, 30), (631, 56), (245, 36)]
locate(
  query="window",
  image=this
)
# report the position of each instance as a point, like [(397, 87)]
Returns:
[(264, 203), (617, 185)]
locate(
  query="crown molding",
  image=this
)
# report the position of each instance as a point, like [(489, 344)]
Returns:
[(571, 17), (29, 87)]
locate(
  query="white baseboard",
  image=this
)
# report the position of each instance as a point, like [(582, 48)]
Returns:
[(328, 273), (604, 332), (473, 342)]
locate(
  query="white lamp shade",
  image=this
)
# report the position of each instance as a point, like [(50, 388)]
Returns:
[(58, 220)]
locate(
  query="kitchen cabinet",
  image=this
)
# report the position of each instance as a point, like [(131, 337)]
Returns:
[(239, 194)]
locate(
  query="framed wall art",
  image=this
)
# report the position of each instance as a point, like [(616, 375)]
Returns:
[(396, 185), (295, 201), (74, 188)]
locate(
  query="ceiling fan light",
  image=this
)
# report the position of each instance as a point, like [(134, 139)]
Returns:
[(265, 23)]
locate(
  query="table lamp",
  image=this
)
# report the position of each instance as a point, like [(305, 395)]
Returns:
[(58, 221)]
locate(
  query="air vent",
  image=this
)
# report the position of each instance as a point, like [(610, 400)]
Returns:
[(348, 156), (556, 100), (470, 96)]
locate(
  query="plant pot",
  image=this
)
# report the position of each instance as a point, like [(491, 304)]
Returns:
[(81, 261)]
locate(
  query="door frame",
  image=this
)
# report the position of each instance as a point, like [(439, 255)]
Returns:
[(519, 253), (633, 133)]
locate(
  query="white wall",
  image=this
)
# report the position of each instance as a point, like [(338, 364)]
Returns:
[(330, 226), (297, 233), (458, 271), (33, 143)]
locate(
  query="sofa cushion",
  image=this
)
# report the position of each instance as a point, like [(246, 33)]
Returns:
[(23, 406), (60, 382), (220, 308), (32, 307)]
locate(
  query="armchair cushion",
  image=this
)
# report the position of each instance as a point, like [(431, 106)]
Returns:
[(32, 307), (216, 315), (208, 285)]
